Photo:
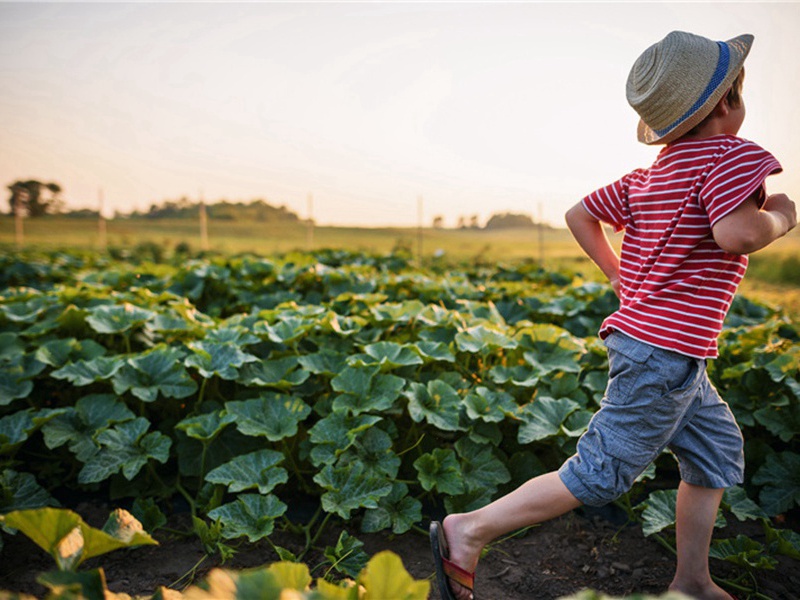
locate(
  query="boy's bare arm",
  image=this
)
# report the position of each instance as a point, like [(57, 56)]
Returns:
[(748, 228), (591, 236)]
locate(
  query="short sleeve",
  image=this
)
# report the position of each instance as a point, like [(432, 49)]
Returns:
[(736, 175), (609, 204)]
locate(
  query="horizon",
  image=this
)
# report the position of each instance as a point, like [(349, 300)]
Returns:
[(476, 108)]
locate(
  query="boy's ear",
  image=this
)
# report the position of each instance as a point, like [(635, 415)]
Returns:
[(723, 107)]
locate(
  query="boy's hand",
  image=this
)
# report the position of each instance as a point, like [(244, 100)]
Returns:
[(781, 204)]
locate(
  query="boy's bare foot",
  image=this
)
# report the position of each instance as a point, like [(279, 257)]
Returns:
[(465, 549), (701, 591)]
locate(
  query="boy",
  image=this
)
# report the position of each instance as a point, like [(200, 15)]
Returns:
[(689, 222)]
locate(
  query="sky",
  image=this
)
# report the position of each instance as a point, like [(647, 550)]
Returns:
[(475, 108)]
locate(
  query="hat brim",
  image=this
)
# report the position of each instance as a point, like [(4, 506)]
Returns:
[(739, 48)]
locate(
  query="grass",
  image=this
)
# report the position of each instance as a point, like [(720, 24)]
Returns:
[(773, 277)]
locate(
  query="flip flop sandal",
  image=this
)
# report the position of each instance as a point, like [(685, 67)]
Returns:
[(446, 570)]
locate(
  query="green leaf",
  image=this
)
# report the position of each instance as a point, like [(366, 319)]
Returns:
[(382, 392), (519, 375), (437, 403), (156, 371), (543, 418), (552, 349), (325, 362), (373, 449), (85, 372), (216, 358), (348, 556), (148, 514), (288, 330), (783, 541), (86, 585), (481, 340), (441, 470), (397, 511), (271, 415), (80, 425), (785, 364), (118, 318), (391, 355), (434, 352), (248, 471), (491, 406), (735, 499), (780, 476), (127, 448), (659, 512), (281, 373), (291, 575), (14, 430), (335, 433), (69, 540), (742, 551), (781, 421), (250, 515), (349, 488), (19, 491), (15, 377), (385, 577), (480, 468), (207, 426), (58, 353)]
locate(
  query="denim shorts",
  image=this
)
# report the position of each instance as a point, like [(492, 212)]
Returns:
[(655, 399)]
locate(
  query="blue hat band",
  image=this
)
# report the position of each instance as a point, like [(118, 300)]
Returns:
[(716, 79)]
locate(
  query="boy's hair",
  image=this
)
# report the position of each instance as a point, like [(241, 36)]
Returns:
[(733, 96)]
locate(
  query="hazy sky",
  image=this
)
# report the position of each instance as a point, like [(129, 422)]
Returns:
[(476, 107)]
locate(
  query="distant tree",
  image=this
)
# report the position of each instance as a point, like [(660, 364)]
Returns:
[(438, 222), (473, 222), (462, 223), (509, 221), (29, 197)]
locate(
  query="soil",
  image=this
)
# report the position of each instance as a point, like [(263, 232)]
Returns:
[(584, 549)]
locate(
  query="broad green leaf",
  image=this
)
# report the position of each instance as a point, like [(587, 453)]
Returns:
[(782, 421), (233, 334), (19, 491), (441, 470), (659, 512), (391, 355), (220, 584), (543, 418), (27, 311), (437, 403), (735, 499), (577, 423), (80, 425), (207, 426), (335, 433), (325, 362), (355, 380), (69, 540), (373, 450), (126, 448), (57, 353), (280, 373), (349, 488), (383, 390), (288, 330), (117, 318), (248, 471), (85, 372), (525, 376), (11, 346), (482, 340), (434, 351), (552, 349), (397, 511), (222, 359), (15, 429), (784, 365), (250, 515), (385, 577), (742, 551), (271, 415), (86, 585), (15, 377), (780, 476), (347, 556), (156, 371), (491, 406), (400, 312), (783, 541), (148, 514), (480, 468), (291, 575)]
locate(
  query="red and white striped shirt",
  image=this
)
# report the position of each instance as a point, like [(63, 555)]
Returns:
[(677, 284)]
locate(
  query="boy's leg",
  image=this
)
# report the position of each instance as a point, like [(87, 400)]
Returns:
[(695, 518), (537, 500)]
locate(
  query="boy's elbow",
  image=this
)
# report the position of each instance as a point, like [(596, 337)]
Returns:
[(740, 242)]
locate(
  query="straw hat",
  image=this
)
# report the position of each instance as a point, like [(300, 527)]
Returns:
[(677, 82)]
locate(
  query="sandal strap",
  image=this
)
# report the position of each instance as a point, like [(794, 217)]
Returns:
[(458, 574)]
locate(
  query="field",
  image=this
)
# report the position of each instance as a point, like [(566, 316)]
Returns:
[(260, 403)]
